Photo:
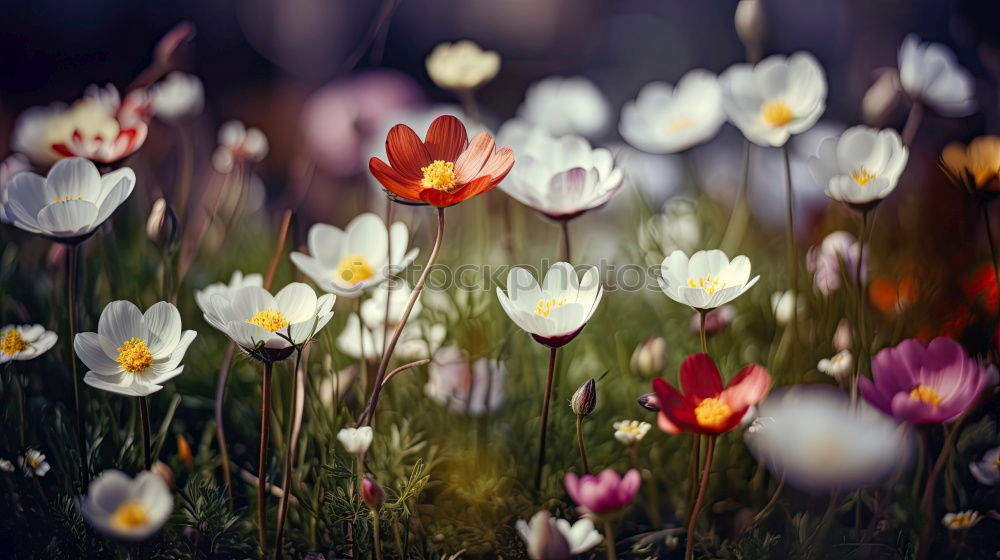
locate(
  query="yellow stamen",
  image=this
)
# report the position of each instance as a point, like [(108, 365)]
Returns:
[(862, 176), (545, 306), (12, 343), (271, 320), (776, 113), (926, 395), (631, 428), (354, 269), (706, 283), (439, 175), (130, 515), (33, 463), (961, 520), (67, 198), (712, 413), (134, 355)]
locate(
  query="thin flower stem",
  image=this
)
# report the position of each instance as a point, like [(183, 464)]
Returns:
[(289, 451), (377, 534), (565, 240), (362, 359), (20, 401), (220, 434), (72, 273), (468, 99), (403, 368), (579, 441), (993, 256), (144, 414), (793, 269), (737, 224), (389, 207), (286, 222), (543, 430), (912, 123), (927, 503), (609, 539), (859, 282), (693, 521), (369, 412), (766, 510), (702, 313), (265, 421), (694, 463)]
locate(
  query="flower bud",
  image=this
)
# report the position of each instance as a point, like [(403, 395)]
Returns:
[(647, 359), (649, 401), (184, 452), (881, 98), (585, 398), (842, 338), (164, 471), (161, 227), (751, 27), (371, 493), (544, 539)]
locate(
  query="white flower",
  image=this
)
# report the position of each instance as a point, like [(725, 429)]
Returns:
[(133, 353), (825, 261), (863, 165), (776, 98), (839, 366), (238, 144), (356, 440), (268, 328), (783, 304), (559, 177), (648, 356), (127, 508), (674, 227), (465, 388), (987, 469), (178, 97), (14, 164), (203, 297), (417, 341), (630, 432), (462, 66), (71, 202), (580, 536), (566, 106), (6, 465), (665, 119), (706, 280), (33, 463), (24, 342), (819, 441), (397, 292), (961, 520), (558, 310), (929, 73), (348, 261)]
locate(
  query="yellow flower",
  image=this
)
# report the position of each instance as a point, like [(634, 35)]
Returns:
[(975, 167)]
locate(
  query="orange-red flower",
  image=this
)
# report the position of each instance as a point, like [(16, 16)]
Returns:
[(443, 169)]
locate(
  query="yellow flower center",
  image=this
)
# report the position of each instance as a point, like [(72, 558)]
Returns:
[(961, 520), (67, 198), (12, 343), (271, 320), (632, 428), (926, 395), (545, 306), (354, 269), (776, 113), (33, 463), (712, 413), (706, 283), (680, 124), (134, 355), (439, 175), (130, 515), (862, 176)]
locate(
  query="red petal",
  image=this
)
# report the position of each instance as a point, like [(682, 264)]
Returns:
[(407, 154), (747, 388), (700, 378), (443, 199), (677, 408), (446, 138), (499, 165), (392, 181)]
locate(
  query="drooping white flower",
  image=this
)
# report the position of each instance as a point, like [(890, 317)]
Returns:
[(559, 177), (961, 520), (579, 537), (178, 97), (825, 261), (70, 203), (134, 353), (356, 440), (24, 342), (127, 508), (203, 297), (863, 165), (839, 367), (987, 469), (929, 73), (631, 432), (566, 106), (268, 328), (465, 388), (776, 98), (348, 261), (706, 280), (665, 119), (238, 144), (555, 312), (463, 65), (33, 463)]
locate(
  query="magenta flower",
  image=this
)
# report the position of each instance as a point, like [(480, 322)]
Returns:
[(604, 493), (926, 384)]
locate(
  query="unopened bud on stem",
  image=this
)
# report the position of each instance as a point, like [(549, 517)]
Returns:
[(585, 398)]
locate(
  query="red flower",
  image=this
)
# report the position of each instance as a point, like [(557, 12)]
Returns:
[(705, 407), (443, 169)]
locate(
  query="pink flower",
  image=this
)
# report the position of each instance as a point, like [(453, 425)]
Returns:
[(926, 384), (604, 493)]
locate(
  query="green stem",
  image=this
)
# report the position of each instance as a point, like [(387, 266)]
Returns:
[(927, 503), (265, 420), (702, 313), (693, 521), (565, 240), (543, 430), (289, 452), (20, 402), (144, 414), (220, 434), (72, 274), (609, 539), (859, 282), (579, 441), (793, 269), (377, 533)]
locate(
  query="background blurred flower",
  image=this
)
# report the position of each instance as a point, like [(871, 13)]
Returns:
[(6, 465), (715, 320), (839, 367), (558, 310), (24, 342), (648, 357), (665, 119), (674, 228), (463, 65), (203, 297), (824, 261), (33, 463), (631, 432), (706, 280), (604, 493), (178, 97), (465, 388), (544, 538), (566, 106), (125, 508), (961, 520), (987, 469), (975, 167), (238, 145), (356, 440), (784, 305), (863, 165), (930, 74), (881, 98), (376, 311), (580, 536), (418, 339), (161, 225)]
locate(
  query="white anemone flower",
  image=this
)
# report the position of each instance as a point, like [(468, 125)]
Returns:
[(566, 106), (819, 441), (559, 177), (987, 469), (203, 297), (356, 440), (862, 166), (555, 312), (929, 73), (666, 119), (706, 280), (348, 261), (776, 98), (70, 203), (127, 508), (961, 520), (269, 328), (631, 432), (33, 463), (466, 387), (177, 98), (133, 353), (24, 342), (463, 65), (580, 536)]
